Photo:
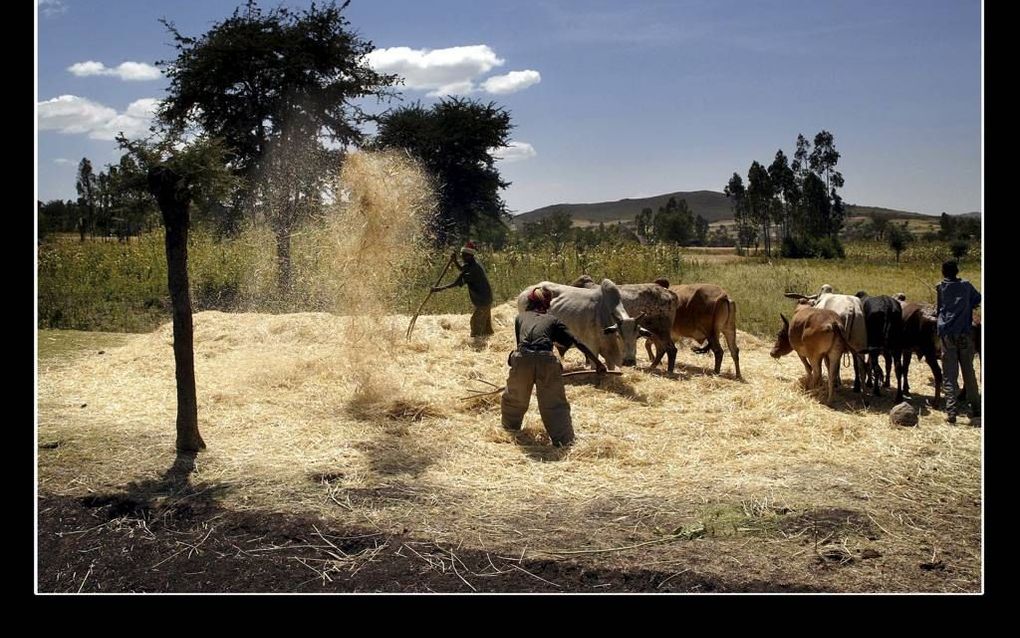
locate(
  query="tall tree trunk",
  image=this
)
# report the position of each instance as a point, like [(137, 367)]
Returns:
[(174, 201)]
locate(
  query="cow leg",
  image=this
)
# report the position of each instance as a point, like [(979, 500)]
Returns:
[(858, 370), (905, 366), (816, 372), (876, 373), (888, 357), (654, 358), (713, 343), (807, 367), (834, 356), (899, 376), (936, 372)]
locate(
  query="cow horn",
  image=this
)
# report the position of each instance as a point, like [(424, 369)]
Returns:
[(795, 295), (610, 329), (643, 313)]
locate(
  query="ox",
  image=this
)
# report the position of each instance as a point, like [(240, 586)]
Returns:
[(703, 311), (883, 317), (851, 311), (919, 336), (596, 317), (654, 308), (816, 335)]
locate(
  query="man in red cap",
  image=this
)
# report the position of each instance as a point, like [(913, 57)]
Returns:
[(534, 364), (472, 274)]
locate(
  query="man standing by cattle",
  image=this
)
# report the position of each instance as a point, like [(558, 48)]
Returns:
[(533, 363), (472, 274), (957, 299)]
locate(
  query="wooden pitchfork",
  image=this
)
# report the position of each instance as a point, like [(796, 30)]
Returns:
[(414, 319)]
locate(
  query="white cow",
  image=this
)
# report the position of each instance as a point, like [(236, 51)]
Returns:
[(596, 317)]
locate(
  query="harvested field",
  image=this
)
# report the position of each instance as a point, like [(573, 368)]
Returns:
[(321, 427)]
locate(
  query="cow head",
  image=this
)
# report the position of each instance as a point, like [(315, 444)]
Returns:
[(629, 331), (802, 300), (782, 346), (620, 331), (584, 281)]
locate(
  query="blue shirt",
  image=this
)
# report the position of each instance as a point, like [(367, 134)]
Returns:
[(957, 299)]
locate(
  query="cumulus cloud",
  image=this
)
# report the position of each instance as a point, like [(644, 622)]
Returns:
[(50, 8), (434, 69), (514, 152), (450, 71), (76, 115), (511, 82), (127, 71)]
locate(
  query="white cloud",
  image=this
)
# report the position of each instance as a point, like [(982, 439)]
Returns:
[(74, 115), (514, 152), (63, 160), (511, 82), (50, 8), (450, 69), (127, 71)]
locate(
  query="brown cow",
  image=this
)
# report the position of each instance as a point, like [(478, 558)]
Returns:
[(704, 311), (816, 335)]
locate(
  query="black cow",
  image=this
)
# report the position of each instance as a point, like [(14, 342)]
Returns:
[(883, 317), (919, 336)]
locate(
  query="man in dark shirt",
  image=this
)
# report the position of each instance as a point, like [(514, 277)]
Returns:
[(957, 299), (472, 274), (534, 364)]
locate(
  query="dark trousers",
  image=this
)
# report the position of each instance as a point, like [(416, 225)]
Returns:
[(481, 321), (543, 372), (958, 355)]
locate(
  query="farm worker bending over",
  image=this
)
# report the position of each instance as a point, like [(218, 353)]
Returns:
[(534, 364), (957, 299), (472, 274)]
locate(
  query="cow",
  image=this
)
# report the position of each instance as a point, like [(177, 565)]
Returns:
[(883, 317), (704, 311), (596, 317), (656, 306), (816, 335), (851, 311), (919, 336)]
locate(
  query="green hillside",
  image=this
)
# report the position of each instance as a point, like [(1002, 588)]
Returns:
[(712, 205)]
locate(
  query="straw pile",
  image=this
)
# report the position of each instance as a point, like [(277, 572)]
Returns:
[(291, 426)]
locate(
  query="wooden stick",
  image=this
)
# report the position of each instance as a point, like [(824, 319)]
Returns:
[(565, 374), (414, 319)]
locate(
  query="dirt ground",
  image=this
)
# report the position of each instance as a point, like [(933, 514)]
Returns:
[(685, 484)]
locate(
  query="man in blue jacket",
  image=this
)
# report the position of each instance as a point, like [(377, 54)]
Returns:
[(957, 299)]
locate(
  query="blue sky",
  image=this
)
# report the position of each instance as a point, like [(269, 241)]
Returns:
[(610, 99)]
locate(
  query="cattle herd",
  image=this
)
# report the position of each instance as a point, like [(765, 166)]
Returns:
[(609, 319)]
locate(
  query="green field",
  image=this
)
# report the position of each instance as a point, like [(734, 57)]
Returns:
[(114, 287)]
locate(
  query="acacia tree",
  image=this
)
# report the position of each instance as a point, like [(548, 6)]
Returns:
[(275, 87), (177, 174), (456, 139)]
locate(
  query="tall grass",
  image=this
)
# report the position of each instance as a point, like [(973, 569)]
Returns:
[(123, 288)]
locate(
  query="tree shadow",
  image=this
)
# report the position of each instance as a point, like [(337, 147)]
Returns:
[(173, 494)]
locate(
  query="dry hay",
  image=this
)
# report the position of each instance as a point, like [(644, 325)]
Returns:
[(298, 419)]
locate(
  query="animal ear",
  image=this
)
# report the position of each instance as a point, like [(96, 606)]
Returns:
[(644, 332), (785, 322), (611, 329)]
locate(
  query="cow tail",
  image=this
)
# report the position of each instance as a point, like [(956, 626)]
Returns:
[(848, 351)]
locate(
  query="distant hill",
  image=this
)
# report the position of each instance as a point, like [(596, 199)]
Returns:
[(712, 205)]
